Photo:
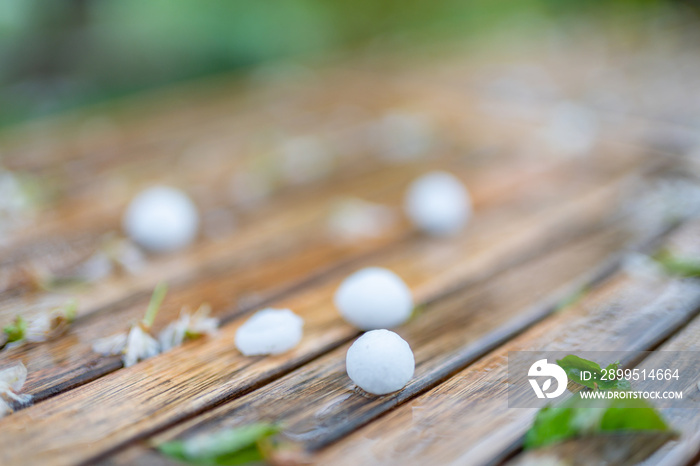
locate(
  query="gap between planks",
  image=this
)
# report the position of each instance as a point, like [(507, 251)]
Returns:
[(210, 360)]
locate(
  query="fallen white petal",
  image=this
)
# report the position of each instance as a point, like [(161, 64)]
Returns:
[(139, 346), (110, 346)]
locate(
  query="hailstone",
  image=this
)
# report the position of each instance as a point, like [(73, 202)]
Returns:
[(438, 203), (380, 362), (162, 219), (270, 331), (374, 298)]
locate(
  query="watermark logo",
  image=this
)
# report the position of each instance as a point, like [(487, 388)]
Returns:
[(541, 369)]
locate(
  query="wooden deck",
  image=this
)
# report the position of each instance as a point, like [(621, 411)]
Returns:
[(547, 225)]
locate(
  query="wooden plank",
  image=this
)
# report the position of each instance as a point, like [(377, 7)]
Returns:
[(72, 228), (317, 402), (138, 400), (467, 419), (68, 361), (685, 420)]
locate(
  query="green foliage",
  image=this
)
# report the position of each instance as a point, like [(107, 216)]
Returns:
[(16, 331), (579, 417), (573, 366), (678, 266), (237, 446)]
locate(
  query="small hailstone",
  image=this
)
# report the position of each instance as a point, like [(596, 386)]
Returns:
[(270, 331), (11, 381), (354, 219), (403, 137), (162, 219), (374, 298), (438, 203), (304, 160), (572, 129), (250, 188), (188, 326), (380, 362)]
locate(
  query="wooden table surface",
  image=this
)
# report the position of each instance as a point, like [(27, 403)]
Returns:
[(548, 224)]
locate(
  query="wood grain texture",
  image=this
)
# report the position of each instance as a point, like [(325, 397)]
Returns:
[(69, 361), (146, 397), (467, 418), (318, 403), (643, 450)]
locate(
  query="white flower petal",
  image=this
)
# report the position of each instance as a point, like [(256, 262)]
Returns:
[(110, 346), (139, 346)]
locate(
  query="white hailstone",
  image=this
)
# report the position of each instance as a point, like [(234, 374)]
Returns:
[(438, 203), (250, 188), (188, 326), (304, 160), (140, 345), (572, 129), (403, 137), (11, 381), (270, 331), (380, 362), (162, 219), (353, 219), (374, 298)]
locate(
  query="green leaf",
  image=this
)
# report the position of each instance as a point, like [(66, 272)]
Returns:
[(574, 366), (581, 417), (571, 299), (631, 415), (16, 331), (229, 447), (679, 266), (70, 310)]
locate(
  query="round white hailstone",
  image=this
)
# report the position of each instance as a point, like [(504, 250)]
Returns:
[(573, 129), (403, 137), (374, 298), (438, 203), (270, 331), (162, 219), (380, 362)]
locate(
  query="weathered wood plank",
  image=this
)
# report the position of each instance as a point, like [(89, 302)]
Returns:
[(149, 396), (685, 420), (66, 362), (467, 418), (317, 402)]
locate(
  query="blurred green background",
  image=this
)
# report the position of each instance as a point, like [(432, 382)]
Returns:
[(57, 55)]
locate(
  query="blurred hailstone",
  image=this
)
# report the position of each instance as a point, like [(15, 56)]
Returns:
[(250, 188), (304, 160), (353, 219), (162, 219), (402, 137), (571, 129), (18, 197), (269, 331), (438, 203)]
